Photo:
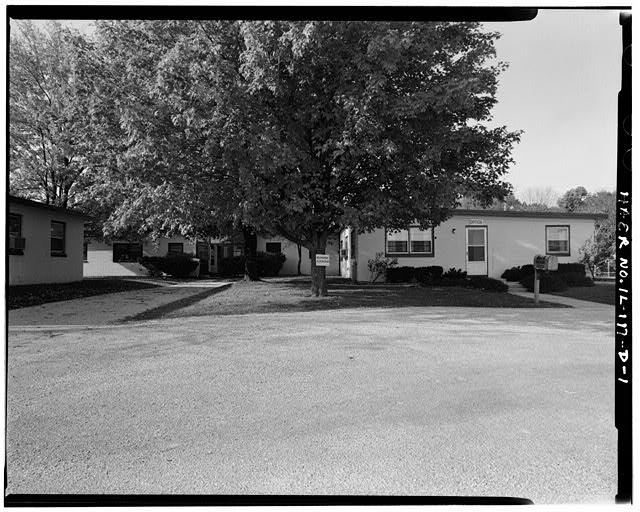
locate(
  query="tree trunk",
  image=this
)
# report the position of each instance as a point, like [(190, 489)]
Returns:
[(318, 274), (299, 258), (250, 250)]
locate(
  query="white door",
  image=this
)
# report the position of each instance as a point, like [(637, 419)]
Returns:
[(477, 263)]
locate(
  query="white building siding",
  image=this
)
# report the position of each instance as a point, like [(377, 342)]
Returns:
[(100, 257), (36, 265), (290, 251), (511, 241)]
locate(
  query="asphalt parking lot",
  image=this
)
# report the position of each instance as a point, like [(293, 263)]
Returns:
[(407, 401)]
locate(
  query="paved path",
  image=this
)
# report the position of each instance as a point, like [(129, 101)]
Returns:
[(427, 401), (518, 289), (112, 308)]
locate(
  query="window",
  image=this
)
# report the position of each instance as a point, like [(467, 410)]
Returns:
[(16, 242), (414, 240), (127, 252), (274, 247), (420, 240), (175, 247), (57, 238), (85, 251), (398, 241), (558, 240)]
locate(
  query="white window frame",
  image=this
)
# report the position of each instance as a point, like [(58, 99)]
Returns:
[(548, 239), (409, 252)]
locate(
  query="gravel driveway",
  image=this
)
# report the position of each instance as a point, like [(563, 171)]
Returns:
[(408, 401)]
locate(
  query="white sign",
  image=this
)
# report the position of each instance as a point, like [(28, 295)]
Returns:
[(322, 260), (475, 221)]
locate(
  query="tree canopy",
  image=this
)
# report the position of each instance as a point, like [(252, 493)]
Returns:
[(296, 127), (50, 104)]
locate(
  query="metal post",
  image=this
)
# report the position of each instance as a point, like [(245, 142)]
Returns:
[(536, 285)]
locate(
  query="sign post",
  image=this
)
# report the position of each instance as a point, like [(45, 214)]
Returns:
[(322, 260)]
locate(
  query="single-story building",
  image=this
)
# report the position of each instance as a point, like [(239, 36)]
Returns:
[(120, 257), (45, 243), (274, 244), (480, 242)]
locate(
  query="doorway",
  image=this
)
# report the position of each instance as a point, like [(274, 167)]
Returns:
[(476, 253)]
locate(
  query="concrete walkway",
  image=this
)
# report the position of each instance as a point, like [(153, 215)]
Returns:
[(521, 291), (112, 308)]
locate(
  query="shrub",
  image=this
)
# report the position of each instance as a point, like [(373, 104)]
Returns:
[(512, 274), (423, 275), (233, 266), (379, 265), (400, 274), (454, 273), (487, 284), (517, 273), (576, 279), (176, 265), (179, 264), (549, 282), (571, 268), (268, 264), (153, 264), (428, 275)]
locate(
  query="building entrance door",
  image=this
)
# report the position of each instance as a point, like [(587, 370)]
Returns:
[(202, 253), (477, 261)]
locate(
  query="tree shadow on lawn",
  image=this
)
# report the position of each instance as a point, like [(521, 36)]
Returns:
[(284, 296)]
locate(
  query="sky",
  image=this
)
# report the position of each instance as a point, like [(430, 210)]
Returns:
[(561, 89)]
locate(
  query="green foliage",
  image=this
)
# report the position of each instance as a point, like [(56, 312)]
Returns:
[(268, 264), (176, 265), (487, 284), (602, 246), (571, 268), (424, 275), (518, 272), (573, 199), (293, 127), (379, 265), (454, 273), (576, 279), (52, 139), (549, 282)]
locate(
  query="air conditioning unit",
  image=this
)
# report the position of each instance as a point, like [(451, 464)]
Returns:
[(16, 243)]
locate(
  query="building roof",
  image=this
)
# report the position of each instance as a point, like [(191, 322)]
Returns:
[(37, 204), (540, 215)]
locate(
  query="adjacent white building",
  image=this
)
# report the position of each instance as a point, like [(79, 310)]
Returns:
[(120, 257), (45, 243), (480, 242)]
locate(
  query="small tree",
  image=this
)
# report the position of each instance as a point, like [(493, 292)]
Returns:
[(378, 266), (596, 251)]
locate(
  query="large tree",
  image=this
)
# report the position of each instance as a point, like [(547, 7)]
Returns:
[(300, 128), (51, 103), (602, 246), (320, 125), (374, 123)]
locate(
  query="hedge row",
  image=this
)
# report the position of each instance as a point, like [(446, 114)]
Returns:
[(576, 270), (411, 274), (568, 274), (435, 276), (176, 265), (269, 264)]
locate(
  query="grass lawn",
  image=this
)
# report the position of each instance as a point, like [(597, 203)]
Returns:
[(34, 294), (290, 295), (604, 293)]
